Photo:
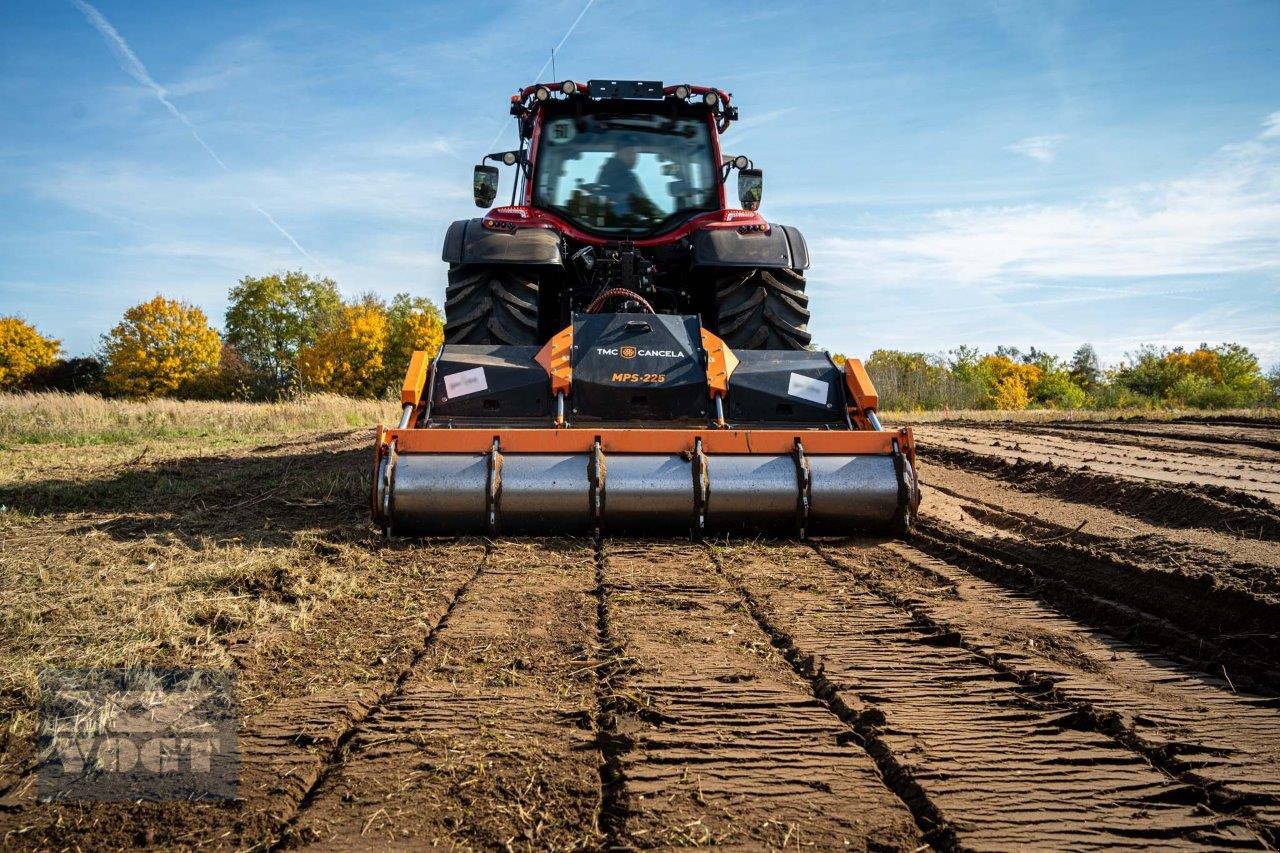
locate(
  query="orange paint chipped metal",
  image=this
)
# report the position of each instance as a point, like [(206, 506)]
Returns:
[(415, 379), (556, 357), (721, 362), (860, 386)]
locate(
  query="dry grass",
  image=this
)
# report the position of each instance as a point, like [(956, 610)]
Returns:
[(256, 557), (162, 558), (85, 419), (80, 419)]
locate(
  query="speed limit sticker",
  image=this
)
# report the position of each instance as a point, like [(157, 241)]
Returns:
[(560, 130)]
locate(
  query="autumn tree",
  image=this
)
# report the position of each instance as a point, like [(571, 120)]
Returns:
[(349, 357), (159, 347), (271, 320), (1009, 383), (414, 323), (23, 351)]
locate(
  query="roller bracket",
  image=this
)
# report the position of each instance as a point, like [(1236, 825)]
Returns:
[(493, 488), (908, 491), (596, 475), (387, 481), (701, 488), (804, 485)]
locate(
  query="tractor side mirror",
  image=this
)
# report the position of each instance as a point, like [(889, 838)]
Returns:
[(484, 185), (750, 188)]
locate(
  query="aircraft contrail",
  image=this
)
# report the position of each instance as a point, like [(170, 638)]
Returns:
[(133, 66), (537, 77)]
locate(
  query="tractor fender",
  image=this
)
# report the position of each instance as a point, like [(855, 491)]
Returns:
[(781, 246), (468, 242)]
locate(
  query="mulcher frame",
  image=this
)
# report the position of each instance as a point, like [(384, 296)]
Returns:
[(867, 438)]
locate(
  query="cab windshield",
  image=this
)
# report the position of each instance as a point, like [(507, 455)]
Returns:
[(630, 174)]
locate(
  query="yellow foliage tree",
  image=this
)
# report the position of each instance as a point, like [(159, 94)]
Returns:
[(1010, 393), (414, 324), (1009, 382), (22, 351), (349, 357), (158, 348), (1202, 362)]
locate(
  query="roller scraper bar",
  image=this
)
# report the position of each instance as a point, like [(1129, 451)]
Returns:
[(584, 481)]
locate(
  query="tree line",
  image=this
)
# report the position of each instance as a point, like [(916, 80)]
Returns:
[(1226, 376), (284, 335), (289, 334)]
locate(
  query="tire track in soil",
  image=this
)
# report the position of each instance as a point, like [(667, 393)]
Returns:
[(488, 741), (995, 758), (962, 498), (724, 743), (1249, 482), (1160, 504), (1209, 628), (283, 751), (1211, 439), (1238, 448), (310, 735), (611, 815), (1197, 729)]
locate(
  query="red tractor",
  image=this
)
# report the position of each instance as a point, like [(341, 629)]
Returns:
[(619, 193), (625, 352)]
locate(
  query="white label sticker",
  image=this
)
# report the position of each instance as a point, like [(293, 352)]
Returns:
[(807, 388), (466, 382)]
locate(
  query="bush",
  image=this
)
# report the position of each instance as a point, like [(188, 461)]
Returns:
[(348, 359), (413, 323), (1008, 382), (1010, 393), (232, 379), (1056, 390), (915, 381), (68, 375), (1225, 376)]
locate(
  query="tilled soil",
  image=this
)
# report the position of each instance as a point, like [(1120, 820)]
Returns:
[(1077, 650)]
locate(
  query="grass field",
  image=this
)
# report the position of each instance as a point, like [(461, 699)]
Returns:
[(53, 418)]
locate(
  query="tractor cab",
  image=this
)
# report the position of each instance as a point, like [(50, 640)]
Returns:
[(620, 158), (625, 173)]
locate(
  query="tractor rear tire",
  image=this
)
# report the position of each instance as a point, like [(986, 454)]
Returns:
[(491, 305), (762, 309)]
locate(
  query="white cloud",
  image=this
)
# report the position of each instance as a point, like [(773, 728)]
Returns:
[(1223, 219), (1042, 149), (1271, 127)]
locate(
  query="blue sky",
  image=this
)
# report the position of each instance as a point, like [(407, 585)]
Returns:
[(967, 173)]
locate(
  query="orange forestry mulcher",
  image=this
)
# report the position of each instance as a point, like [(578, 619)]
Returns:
[(624, 352)]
